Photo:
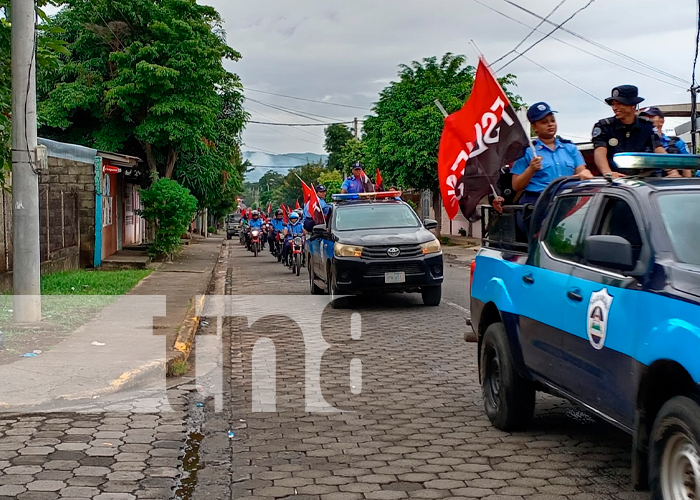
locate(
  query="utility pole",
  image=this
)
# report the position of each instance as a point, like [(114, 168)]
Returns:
[(26, 258), (357, 134), (694, 117)]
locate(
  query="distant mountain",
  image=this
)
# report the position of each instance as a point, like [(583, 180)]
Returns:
[(263, 162)]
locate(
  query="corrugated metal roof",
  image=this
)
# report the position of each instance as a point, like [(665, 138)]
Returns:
[(66, 151)]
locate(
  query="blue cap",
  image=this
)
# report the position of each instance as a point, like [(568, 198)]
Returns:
[(538, 111), (294, 215)]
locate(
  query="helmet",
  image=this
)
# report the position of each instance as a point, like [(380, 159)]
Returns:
[(294, 215), (279, 212), (255, 213)]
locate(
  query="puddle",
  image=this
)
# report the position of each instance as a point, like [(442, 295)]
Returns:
[(190, 467)]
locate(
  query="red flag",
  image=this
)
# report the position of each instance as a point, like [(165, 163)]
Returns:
[(315, 207), (379, 185), (308, 193), (476, 142), (250, 212), (284, 214), (269, 209), (296, 205)]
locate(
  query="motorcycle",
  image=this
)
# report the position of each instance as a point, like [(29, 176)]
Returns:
[(297, 254), (278, 246), (255, 241)]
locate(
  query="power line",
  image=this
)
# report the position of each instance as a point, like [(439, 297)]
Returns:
[(558, 26), (308, 100), (300, 124), (600, 45), (277, 122), (563, 79), (303, 114), (292, 136), (529, 34), (576, 47)]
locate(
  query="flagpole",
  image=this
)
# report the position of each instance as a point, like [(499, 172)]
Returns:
[(444, 112)]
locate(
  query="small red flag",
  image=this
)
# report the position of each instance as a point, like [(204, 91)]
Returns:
[(269, 209), (250, 212), (296, 205), (284, 214), (379, 184)]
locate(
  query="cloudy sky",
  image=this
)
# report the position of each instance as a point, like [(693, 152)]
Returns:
[(345, 52)]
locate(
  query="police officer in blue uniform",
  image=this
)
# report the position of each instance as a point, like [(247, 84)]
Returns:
[(308, 216), (277, 228), (624, 132), (358, 182), (672, 145), (294, 228), (255, 222)]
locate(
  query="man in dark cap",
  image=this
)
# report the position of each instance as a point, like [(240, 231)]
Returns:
[(358, 182), (624, 132), (672, 145)]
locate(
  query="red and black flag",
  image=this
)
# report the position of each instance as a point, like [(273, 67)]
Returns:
[(476, 142)]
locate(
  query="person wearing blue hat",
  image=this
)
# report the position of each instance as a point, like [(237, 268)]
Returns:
[(358, 182), (555, 157)]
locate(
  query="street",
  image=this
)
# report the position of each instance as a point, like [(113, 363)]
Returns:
[(416, 429)]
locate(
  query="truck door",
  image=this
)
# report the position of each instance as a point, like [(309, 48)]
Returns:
[(545, 318), (607, 314)]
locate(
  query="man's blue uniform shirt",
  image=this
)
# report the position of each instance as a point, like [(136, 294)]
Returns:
[(353, 185), (680, 144), (324, 207), (295, 229), (255, 223), (278, 224), (561, 162)]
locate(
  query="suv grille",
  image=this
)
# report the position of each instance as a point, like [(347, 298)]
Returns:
[(379, 252), (378, 270)]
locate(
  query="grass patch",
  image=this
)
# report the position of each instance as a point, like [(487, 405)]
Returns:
[(179, 368), (84, 282)]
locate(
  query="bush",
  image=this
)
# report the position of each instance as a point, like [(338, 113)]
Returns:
[(171, 207), (212, 230), (413, 206)]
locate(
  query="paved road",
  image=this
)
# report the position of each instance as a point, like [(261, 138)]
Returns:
[(413, 428)]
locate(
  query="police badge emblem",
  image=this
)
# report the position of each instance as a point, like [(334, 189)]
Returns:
[(597, 131), (597, 318), (541, 107), (613, 142), (615, 93)]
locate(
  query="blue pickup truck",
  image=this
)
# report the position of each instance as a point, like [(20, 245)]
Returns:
[(600, 305)]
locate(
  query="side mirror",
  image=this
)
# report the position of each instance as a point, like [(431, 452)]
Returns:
[(430, 223), (320, 229), (613, 252)]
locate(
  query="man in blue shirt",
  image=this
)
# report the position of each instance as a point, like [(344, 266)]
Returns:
[(308, 216), (277, 228), (255, 222), (358, 182), (555, 158), (672, 145), (294, 228)]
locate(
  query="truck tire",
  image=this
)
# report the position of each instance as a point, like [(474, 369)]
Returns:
[(432, 295), (674, 451), (509, 399), (228, 236), (313, 288)]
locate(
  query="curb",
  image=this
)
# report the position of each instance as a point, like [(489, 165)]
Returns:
[(188, 329)]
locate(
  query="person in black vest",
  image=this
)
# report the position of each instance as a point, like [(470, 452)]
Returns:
[(624, 132), (673, 145)]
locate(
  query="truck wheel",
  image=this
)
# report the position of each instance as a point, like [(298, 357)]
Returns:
[(674, 451), (432, 295), (313, 288), (332, 290), (228, 236), (509, 399)]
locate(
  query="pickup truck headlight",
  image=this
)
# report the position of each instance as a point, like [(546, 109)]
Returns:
[(347, 250), (431, 247)]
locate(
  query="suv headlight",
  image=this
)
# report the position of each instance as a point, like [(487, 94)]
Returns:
[(431, 247), (347, 250)]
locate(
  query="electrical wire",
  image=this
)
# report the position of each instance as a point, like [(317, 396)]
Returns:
[(529, 34), (277, 122), (299, 124), (600, 45), (563, 79), (578, 48), (558, 26), (307, 100), (292, 136), (308, 116)]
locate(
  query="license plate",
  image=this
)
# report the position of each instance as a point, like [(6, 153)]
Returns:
[(395, 277)]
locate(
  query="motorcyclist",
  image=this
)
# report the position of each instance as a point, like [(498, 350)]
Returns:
[(278, 225), (255, 222), (294, 228)]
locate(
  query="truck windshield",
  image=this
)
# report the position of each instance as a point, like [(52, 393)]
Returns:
[(680, 215), (375, 216)]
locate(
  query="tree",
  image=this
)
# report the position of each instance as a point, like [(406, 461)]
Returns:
[(48, 49), (270, 181), (332, 180), (337, 136), (403, 136), (144, 78), (354, 150), (290, 190)]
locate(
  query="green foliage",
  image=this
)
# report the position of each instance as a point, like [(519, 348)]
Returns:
[(337, 135), (48, 50), (413, 206), (332, 180), (290, 190), (171, 207), (84, 282), (267, 184), (354, 150), (147, 78)]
